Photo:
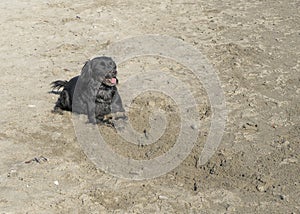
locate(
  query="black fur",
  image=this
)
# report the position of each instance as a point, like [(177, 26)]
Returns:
[(94, 92)]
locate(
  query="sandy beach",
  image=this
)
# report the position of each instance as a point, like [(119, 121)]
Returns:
[(253, 47)]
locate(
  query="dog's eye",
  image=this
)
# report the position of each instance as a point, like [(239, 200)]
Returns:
[(113, 65)]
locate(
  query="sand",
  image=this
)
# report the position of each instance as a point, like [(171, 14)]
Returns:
[(253, 47)]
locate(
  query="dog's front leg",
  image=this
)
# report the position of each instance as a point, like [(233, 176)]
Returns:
[(91, 107), (116, 104)]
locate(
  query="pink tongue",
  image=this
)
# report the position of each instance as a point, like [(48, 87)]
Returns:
[(113, 80)]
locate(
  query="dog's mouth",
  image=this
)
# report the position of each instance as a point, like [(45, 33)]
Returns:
[(111, 81)]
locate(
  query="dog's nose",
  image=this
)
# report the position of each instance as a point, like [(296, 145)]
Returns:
[(114, 72)]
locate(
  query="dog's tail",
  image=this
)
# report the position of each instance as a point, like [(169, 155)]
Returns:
[(57, 85)]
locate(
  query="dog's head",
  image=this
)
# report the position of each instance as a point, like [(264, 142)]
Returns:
[(101, 69)]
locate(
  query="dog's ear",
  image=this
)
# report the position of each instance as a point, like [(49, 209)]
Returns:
[(86, 72)]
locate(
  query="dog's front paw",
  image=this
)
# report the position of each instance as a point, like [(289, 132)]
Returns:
[(120, 125), (92, 121), (119, 115), (115, 116)]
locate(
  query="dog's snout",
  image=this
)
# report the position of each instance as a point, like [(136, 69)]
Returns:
[(111, 73)]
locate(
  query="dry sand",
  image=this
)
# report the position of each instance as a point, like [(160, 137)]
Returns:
[(254, 47)]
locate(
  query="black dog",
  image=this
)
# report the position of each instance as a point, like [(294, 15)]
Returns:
[(94, 92)]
